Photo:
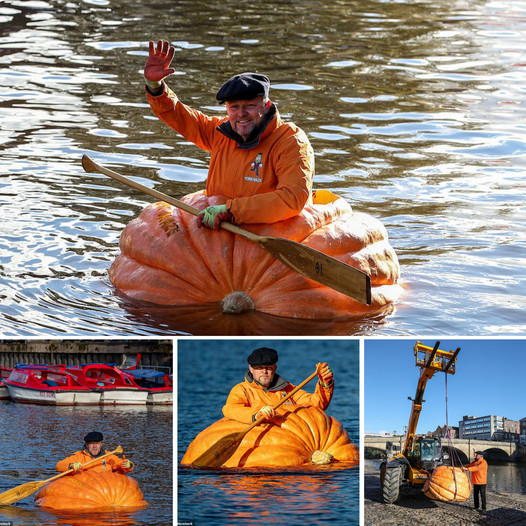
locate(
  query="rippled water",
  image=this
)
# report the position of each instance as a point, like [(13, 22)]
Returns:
[(415, 110), (34, 438), (318, 496)]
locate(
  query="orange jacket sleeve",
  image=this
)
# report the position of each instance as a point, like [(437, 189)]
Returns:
[(238, 406), (115, 463), (321, 398), (63, 465)]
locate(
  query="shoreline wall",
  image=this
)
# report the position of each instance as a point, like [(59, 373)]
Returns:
[(154, 353)]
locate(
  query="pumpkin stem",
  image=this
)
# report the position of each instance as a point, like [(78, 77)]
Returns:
[(321, 457), (237, 302)]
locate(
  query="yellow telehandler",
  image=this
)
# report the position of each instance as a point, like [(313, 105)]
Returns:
[(420, 455)]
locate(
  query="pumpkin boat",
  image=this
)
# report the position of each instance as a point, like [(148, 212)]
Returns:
[(448, 484), (165, 259), (91, 490), (298, 436)]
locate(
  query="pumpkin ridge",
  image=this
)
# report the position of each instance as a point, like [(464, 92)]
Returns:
[(197, 285), (193, 243), (323, 430), (300, 428)]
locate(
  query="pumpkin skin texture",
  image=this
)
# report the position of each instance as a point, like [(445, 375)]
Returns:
[(166, 259), (90, 490), (289, 440), (442, 486)]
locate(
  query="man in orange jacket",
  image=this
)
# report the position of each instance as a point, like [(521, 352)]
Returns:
[(93, 449), (264, 388), (479, 477), (261, 165)]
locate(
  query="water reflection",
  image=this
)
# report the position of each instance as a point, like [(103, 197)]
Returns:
[(311, 497), (415, 112)]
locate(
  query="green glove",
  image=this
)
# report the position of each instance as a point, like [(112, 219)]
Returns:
[(266, 411), (76, 466), (213, 215), (125, 463), (325, 375)]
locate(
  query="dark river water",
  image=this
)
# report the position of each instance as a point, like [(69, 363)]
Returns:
[(207, 370), (34, 438), (415, 110)]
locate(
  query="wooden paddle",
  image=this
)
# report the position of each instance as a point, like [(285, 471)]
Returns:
[(225, 447), (24, 490), (305, 260)]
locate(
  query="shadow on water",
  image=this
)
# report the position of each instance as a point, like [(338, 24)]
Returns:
[(209, 320)]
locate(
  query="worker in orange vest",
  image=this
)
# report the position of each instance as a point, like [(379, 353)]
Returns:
[(479, 478)]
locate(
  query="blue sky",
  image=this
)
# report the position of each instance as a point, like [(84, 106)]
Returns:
[(489, 379)]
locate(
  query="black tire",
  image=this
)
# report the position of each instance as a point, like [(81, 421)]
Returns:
[(390, 478)]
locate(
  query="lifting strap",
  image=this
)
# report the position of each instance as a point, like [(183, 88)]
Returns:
[(454, 458)]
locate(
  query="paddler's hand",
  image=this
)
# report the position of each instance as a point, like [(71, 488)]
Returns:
[(325, 375), (268, 412), (157, 66), (212, 216), (126, 464), (76, 466)]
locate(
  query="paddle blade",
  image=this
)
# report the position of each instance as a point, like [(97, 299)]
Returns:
[(320, 267), (20, 492), (220, 452)]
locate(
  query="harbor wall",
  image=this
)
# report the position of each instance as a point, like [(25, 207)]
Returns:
[(154, 353)]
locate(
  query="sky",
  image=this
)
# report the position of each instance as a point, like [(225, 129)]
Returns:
[(489, 380)]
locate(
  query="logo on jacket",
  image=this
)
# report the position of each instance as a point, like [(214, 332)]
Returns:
[(254, 168)]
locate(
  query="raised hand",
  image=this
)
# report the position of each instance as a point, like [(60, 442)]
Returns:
[(157, 66)]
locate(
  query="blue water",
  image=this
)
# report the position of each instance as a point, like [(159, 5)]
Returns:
[(207, 370), (34, 438)]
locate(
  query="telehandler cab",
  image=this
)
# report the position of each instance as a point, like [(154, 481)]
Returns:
[(420, 455)]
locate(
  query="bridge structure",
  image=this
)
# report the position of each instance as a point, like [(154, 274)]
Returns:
[(381, 446)]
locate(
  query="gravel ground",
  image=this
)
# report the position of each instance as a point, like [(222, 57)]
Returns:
[(414, 508)]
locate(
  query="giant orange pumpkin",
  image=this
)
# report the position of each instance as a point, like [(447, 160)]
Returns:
[(448, 484), (300, 436), (89, 490), (166, 259)]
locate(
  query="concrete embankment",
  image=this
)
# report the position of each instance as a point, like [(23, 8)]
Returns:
[(503, 509), (76, 352)]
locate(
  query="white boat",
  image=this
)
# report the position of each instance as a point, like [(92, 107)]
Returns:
[(50, 386), (158, 384)]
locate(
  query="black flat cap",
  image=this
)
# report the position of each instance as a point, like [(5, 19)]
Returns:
[(263, 356), (93, 436), (479, 453), (244, 86)]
